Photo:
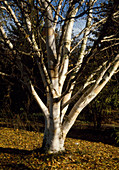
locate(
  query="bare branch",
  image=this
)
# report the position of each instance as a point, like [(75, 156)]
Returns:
[(93, 26), (4, 74), (115, 44), (112, 39), (87, 83), (57, 13), (2, 7), (7, 41), (66, 43), (39, 101), (111, 36), (16, 21), (90, 94), (85, 36), (45, 76)]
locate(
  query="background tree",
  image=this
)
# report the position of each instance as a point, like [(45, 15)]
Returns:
[(46, 41)]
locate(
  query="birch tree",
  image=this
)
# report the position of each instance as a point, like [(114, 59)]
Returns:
[(49, 32)]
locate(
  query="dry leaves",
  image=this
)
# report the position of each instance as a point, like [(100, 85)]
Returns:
[(18, 152)]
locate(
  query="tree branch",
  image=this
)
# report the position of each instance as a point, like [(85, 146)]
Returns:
[(7, 41), (16, 21), (91, 93), (57, 13), (39, 101), (115, 44)]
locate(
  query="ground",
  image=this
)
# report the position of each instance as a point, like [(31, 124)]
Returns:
[(85, 149)]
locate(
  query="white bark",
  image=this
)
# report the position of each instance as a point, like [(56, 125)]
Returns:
[(53, 141), (11, 12), (42, 105), (85, 36), (90, 94), (53, 64), (57, 13), (81, 56), (5, 38)]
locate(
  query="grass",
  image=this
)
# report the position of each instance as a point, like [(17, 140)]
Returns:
[(19, 150)]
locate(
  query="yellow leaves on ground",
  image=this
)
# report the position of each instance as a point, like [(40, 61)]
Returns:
[(92, 155), (19, 139), (17, 152)]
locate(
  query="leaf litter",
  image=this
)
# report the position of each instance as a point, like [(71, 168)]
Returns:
[(19, 150)]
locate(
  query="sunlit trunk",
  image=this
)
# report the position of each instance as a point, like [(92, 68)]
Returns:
[(53, 141)]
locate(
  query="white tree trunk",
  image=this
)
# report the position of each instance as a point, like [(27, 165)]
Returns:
[(53, 141)]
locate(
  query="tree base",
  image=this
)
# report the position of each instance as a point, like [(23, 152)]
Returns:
[(48, 151)]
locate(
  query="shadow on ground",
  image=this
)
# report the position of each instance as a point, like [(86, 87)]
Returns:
[(15, 167), (15, 151), (104, 135)]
